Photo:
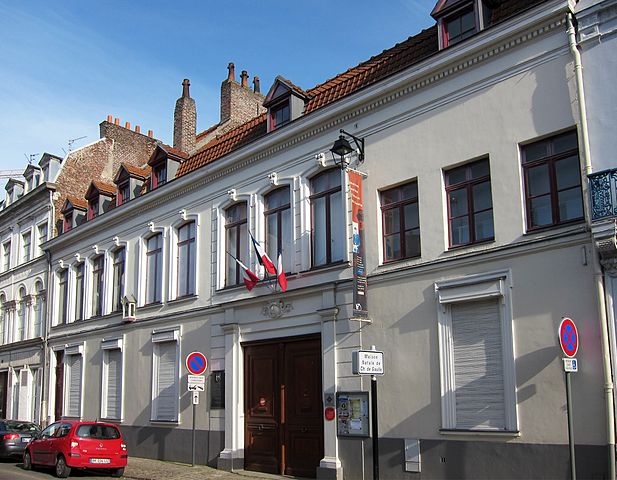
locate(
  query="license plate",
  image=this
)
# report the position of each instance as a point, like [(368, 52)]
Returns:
[(25, 439), (100, 460)]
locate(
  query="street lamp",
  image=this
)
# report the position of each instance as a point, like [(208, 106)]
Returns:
[(342, 148)]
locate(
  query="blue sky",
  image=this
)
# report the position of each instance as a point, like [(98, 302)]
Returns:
[(66, 65)]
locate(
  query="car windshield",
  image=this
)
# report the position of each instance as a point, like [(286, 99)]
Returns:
[(99, 432), (21, 427)]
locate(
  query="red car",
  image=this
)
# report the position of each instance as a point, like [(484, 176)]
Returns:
[(69, 444)]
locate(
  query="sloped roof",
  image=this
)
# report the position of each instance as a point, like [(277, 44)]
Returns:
[(75, 202), (387, 63), (138, 172), (104, 188), (174, 151)]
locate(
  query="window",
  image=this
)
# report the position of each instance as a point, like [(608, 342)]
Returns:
[(68, 222), (63, 296), (39, 310), (279, 115), (400, 222), (186, 259), (4, 317), (460, 26), (165, 388), (112, 380), (278, 226), (476, 353), (93, 208), (154, 268), (22, 311), (74, 373), (79, 291), (552, 175), (328, 223), (159, 175), (6, 255), (124, 192), (26, 243), (42, 232), (236, 241), (118, 281), (98, 276), (470, 205)]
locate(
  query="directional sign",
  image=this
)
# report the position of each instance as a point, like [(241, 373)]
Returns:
[(568, 337), (196, 387), (196, 363)]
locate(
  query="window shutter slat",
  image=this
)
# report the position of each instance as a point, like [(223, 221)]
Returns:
[(167, 394), (478, 365), (114, 383), (75, 365)]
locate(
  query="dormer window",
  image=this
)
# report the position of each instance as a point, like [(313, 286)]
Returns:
[(68, 222), (285, 102), (129, 180), (124, 192), (458, 20), (93, 208), (159, 176), (165, 161), (73, 212), (101, 198)]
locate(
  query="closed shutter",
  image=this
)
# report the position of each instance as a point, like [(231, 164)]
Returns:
[(166, 400), (74, 395), (114, 383), (478, 365)]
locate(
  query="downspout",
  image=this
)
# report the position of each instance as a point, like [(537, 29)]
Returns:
[(597, 268), (45, 378)]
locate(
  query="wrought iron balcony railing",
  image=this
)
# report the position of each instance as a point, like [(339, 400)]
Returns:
[(603, 194)]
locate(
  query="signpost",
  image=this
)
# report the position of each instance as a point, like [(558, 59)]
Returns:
[(196, 364), (370, 362), (568, 340)]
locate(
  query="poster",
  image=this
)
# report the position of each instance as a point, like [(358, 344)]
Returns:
[(357, 222)]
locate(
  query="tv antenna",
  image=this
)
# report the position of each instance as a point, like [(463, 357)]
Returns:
[(73, 140), (31, 157)]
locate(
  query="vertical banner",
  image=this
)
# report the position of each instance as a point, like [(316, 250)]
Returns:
[(357, 238)]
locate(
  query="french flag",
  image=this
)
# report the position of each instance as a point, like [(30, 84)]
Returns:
[(282, 279), (249, 278), (263, 257)]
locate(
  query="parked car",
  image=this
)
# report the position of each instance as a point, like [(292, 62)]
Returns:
[(14, 436), (69, 444)]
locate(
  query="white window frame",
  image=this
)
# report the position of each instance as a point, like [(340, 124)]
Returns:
[(38, 235), (492, 285), (25, 257), (107, 346), (159, 337), (6, 248), (77, 349), (185, 218), (143, 264)]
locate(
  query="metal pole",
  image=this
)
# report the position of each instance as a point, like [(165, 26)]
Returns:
[(193, 453), (374, 427), (570, 427)]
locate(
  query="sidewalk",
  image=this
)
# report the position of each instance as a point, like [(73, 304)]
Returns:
[(146, 469)]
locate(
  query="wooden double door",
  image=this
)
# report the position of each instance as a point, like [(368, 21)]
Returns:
[(283, 406)]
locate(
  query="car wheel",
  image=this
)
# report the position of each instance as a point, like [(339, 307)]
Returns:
[(62, 469), (27, 461), (118, 472)]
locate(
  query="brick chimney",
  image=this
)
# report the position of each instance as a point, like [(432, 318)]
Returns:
[(185, 120), (239, 103)]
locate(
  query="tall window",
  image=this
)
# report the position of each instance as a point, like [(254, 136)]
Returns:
[(4, 317), (26, 244), (154, 268), (6, 255), (328, 234), (93, 208), (22, 311), (124, 192), (74, 367), (79, 291), (112, 382), (98, 276), (42, 232), (400, 222), (68, 222), (159, 174), (118, 282), (278, 226), (186, 259), (39, 310), (236, 241), (552, 181), (63, 295), (165, 381), (470, 205)]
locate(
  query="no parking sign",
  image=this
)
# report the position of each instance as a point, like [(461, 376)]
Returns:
[(568, 337)]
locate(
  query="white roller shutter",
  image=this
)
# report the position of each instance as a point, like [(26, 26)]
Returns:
[(166, 391), (74, 365), (478, 365), (114, 384)]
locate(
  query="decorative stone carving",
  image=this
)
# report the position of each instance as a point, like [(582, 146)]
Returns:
[(276, 308)]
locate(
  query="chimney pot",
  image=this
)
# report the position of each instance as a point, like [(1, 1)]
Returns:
[(110, 118), (150, 134), (245, 78), (231, 75), (127, 125), (137, 129), (256, 87), (185, 87), (116, 121)]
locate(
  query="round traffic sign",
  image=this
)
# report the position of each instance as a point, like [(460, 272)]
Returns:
[(196, 363), (568, 337)]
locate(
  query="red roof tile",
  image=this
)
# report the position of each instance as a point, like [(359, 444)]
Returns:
[(175, 151), (106, 188), (140, 172), (78, 203)]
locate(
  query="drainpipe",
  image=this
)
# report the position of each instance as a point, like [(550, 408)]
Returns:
[(597, 268)]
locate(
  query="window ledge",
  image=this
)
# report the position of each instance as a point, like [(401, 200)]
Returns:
[(329, 266), (150, 306), (480, 433), (183, 299), (165, 422)]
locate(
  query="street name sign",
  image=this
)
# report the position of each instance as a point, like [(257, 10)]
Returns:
[(568, 337), (367, 362)]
